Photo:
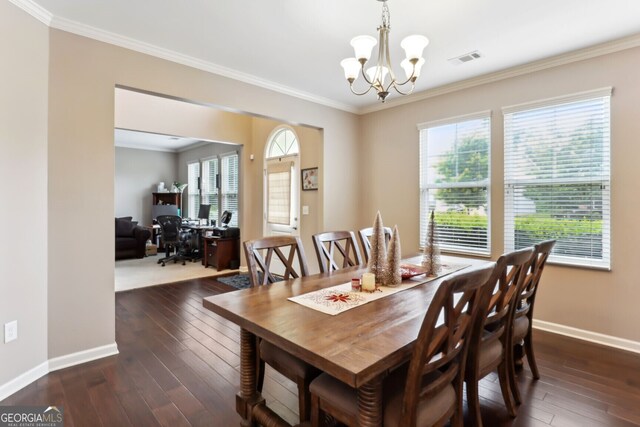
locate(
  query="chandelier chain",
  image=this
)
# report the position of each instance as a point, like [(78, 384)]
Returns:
[(386, 16)]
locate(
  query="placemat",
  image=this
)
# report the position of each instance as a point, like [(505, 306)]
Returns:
[(340, 298)]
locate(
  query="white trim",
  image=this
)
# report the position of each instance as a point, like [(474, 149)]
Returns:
[(584, 335), (23, 380), (26, 378), (82, 356), (563, 99), (179, 58), (486, 114), (35, 10), (141, 146), (78, 28), (543, 64)]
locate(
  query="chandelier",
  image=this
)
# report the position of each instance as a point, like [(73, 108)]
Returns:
[(381, 76)]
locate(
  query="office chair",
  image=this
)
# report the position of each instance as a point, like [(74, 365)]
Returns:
[(172, 239)]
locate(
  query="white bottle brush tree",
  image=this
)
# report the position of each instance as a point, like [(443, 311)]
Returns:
[(377, 257), (392, 276), (431, 253)]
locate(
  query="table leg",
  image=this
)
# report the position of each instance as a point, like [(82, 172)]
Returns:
[(249, 396), (370, 403)]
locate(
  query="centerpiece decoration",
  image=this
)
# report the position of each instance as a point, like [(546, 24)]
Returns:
[(377, 256), (392, 276), (431, 253)]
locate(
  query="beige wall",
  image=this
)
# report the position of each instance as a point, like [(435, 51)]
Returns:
[(24, 44), (311, 145), (604, 302), (83, 75)]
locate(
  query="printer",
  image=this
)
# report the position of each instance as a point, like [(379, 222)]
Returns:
[(226, 232)]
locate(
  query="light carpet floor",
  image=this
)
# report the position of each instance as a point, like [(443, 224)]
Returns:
[(139, 273)]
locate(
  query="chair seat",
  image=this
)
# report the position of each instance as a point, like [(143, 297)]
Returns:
[(490, 355), (520, 328), (345, 398), (284, 362)]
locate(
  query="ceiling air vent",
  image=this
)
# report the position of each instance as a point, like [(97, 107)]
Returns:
[(467, 57)]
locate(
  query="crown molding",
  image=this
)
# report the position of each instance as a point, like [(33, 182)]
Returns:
[(35, 10), (169, 55), (543, 64)]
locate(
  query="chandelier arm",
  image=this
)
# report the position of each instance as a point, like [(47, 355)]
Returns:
[(366, 79), (360, 93), (404, 93)]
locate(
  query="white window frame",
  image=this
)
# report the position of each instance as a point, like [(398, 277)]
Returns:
[(235, 219), (509, 182), (425, 187)]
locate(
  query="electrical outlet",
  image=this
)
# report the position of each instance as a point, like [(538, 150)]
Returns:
[(305, 210), (10, 331)]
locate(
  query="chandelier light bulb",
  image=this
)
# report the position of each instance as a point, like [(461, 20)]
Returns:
[(377, 77), (414, 45), (407, 66), (351, 68), (362, 45)]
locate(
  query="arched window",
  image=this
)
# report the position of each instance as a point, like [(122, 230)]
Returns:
[(283, 143)]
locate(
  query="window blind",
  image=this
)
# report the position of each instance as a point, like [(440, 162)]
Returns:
[(193, 189), (210, 186), (557, 178), (229, 190), (454, 182), (279, 193)]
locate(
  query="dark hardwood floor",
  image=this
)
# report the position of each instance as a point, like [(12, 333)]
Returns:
[(178, 365)]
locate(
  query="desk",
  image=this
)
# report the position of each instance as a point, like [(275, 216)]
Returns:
[(358, 346), (199, 230), (221, 252)]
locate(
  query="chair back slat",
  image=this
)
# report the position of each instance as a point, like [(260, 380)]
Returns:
[(530, 288), (345, 243), (365, 239), (444, 337), (259, 254)]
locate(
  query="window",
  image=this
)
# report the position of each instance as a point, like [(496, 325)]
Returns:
[(193, 187), (214, 181), (210, 186), (230, 186), (454, 182), (557, 176)]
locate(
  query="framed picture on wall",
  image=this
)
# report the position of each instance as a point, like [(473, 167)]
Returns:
[(309, 179)]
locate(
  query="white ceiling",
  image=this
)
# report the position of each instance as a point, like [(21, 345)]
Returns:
[(154, 141), (298, 45)]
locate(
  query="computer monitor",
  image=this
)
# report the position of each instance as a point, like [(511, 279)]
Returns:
[(157, 210), (204, 211)]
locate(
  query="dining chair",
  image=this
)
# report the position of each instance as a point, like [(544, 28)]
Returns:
[(491, 344), (365, 239), (344, 242), (260, 255), (523, 314), (427, 390)]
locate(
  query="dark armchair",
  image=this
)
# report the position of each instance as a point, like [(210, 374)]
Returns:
[(131, 239)]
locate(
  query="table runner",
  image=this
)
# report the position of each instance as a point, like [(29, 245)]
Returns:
[(339, 298)]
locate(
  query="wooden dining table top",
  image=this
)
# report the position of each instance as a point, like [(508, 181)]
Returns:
[(354, 346)]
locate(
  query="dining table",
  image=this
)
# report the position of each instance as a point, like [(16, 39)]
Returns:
[(359, 346)]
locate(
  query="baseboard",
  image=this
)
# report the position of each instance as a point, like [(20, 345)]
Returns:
[(82, 357), (54, 364), (594, 337), (23, 380)]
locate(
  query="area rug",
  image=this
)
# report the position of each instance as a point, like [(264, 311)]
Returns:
[(139, 273), (238, 281)]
